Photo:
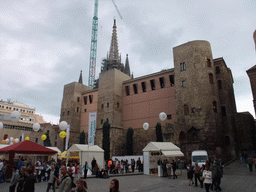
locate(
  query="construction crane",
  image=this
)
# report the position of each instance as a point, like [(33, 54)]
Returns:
[(117, 9), (93, 51)]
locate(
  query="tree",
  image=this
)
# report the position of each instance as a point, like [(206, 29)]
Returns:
[(106, 139), (47, 141), (129, 141), (159, 134), (82, 138)]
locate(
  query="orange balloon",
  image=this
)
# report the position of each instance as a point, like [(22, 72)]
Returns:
[(13, 140), (3, 141)]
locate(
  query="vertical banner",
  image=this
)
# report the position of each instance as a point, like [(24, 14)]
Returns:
[(67, 137), (91, 128)]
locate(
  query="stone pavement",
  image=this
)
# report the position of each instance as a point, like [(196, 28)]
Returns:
[(236, 178)]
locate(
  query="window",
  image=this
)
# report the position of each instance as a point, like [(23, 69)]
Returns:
[(85, 100), (135, 88), (78, 99), (161, 80), (63, 113), (90, 98), (20, 109), (214, 104), (223, 111), (171, 78), (152, 83), (101, 121), (169, 116), (107, 105), (102, 106), (117, 105), (217, 70), (183, 66), (77, 109), (68, 112), (182, 137), (209, 64), (183, 84), (85, 110), (36, 140), (143, 85), (13, 109), (127, 90), (186, 109), (211, 78), (219, 84)]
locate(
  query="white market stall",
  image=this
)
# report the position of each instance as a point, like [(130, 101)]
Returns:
[(55, 156), (86, 153), (154, 152)]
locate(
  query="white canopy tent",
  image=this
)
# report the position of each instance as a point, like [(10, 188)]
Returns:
[(87, 153), (55, 156), (153, 152)]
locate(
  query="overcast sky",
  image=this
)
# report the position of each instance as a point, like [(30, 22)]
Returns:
[(45, 44)]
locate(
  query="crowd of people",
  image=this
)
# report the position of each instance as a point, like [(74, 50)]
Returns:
[(59, 175), (209, 174)]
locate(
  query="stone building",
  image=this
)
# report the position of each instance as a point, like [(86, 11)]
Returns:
[(197, 95)]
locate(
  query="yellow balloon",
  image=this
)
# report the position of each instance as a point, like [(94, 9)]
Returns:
[(63, 134), (3, 141), (43, 137), (27, 139)]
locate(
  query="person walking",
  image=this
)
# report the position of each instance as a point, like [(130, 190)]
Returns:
[(190, 171), (15, 179), (207, 176), (21, 180), (93, 163), (197, 175), (85, 169), (216, 175), (174, 167), (132, 164), (51, 181), (29, 182), (114, 186), (65, 181), (81, 185)]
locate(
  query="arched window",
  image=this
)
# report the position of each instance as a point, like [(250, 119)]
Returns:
[(211, 78), (186, 109), (182, 137), (214, 105)]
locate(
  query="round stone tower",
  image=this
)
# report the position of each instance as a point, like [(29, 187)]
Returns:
[(197, 99)]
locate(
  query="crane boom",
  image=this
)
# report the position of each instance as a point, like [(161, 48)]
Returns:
[(93, 51), (117, 9)]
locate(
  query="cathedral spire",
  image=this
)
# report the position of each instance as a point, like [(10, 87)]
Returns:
[(113, 52), (80, 78), (127, 66)]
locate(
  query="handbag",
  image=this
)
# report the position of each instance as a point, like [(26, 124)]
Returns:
[(202, 178)]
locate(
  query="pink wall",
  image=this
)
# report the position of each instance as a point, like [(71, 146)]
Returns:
[(90, 107), (146, 106)]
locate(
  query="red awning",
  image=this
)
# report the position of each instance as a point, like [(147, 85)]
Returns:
[(27, 147)]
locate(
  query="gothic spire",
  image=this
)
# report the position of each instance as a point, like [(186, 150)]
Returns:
[(113, 52), (80, 78), (127, 66)]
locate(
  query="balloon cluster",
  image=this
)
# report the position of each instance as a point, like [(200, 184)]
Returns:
[(7, 141), (162, 117)]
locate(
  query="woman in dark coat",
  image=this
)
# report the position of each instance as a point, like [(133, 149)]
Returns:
[(190, 172), (29, 183)]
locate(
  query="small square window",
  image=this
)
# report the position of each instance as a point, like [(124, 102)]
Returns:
[(169, 116), (102, 106), (183, 66), (85, 110)]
